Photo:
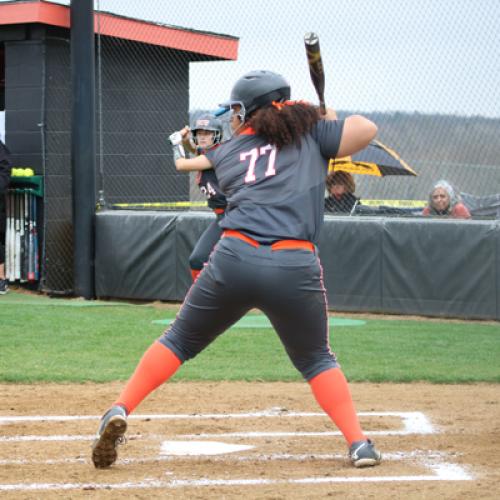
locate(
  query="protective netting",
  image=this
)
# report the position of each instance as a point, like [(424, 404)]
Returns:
[(426, 73)]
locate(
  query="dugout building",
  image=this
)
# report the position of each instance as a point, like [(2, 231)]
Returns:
[(144, 87)]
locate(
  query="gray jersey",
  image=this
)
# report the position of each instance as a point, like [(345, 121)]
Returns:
[(275, 195)]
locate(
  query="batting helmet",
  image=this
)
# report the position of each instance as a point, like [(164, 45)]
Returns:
[(257, 89), (210, 123)]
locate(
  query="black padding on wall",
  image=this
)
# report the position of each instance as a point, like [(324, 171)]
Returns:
[(440, 268), (136, 255), (429, 267), (350, 252)]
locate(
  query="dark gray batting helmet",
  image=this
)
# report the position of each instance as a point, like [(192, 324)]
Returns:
[(257, 89), (210, 123)]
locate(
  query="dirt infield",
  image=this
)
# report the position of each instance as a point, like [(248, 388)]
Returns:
[(257, 440)]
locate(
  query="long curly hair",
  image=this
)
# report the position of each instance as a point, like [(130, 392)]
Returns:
[(282, 124)]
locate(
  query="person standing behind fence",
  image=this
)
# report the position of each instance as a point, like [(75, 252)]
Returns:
[(5, 171), (341, 187), (273, 173), (445, 201), (206, 134)]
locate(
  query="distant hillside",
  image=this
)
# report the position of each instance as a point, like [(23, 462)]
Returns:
[(447, 138), (462, 149)]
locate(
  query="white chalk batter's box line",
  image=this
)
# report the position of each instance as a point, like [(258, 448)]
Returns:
[(413, 423)]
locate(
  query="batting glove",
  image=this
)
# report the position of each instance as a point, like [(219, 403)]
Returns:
[(175, 138)]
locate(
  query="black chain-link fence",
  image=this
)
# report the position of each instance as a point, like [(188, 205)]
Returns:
[(428, 74)]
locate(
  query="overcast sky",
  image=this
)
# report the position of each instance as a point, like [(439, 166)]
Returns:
[(379, 55)]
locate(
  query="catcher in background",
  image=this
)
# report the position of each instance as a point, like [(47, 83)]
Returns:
[(273, 173), (205, 135), (341, 187)]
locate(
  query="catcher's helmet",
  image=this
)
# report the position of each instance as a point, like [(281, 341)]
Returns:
[(208, 122), (257, 89)]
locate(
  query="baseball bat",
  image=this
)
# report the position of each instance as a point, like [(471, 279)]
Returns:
[(311, 41), (21, 235), (31, 262), (17, 272), (12, 242), (8, 237), (35, 241), (26, 245)]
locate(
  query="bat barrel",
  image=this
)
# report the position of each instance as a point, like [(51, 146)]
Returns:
[(311, 42)]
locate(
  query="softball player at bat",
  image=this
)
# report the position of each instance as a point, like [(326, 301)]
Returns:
[(273, 173), (205, 135)]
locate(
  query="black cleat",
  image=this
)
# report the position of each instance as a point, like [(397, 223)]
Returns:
[(364, 454), (109, 435)]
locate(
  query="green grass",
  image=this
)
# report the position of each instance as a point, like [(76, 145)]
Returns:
[(54, 341)]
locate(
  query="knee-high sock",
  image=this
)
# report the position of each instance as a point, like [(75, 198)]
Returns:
[(332, 392), (156, 366)]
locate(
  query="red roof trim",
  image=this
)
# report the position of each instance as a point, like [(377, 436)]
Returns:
[(174, 38), (120, 27)]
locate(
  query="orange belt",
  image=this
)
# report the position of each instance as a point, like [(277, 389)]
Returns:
[(278, 245)]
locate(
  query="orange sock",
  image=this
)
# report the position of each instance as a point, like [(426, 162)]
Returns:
[(332, 392), (157, 365), (195, 273)]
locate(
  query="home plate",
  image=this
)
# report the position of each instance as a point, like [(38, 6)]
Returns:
[(182, 448)]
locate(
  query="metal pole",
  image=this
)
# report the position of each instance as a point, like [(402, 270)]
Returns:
[(83, 144)]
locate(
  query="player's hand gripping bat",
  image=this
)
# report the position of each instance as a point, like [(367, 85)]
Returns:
[(311, 41)]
